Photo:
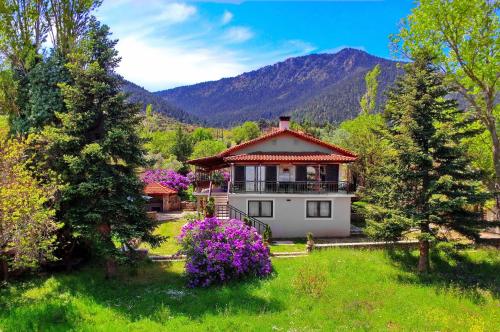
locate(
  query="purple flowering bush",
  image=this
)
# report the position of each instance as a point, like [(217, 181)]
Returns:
[(222, 250), (166, 177)]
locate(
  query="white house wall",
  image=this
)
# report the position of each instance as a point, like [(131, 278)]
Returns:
[(286, 143), (289, 214)]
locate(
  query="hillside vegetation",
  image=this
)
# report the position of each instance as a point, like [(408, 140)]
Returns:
[(319, 87)]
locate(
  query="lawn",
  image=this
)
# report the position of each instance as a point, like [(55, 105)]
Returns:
[(171, 229), (338, 289)]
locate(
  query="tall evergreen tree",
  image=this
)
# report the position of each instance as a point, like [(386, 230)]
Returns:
[(96, 152), (435, 185)]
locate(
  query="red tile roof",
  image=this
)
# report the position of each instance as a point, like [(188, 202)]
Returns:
[(158, 189), (280, 132), (220, 160), (290, 157)]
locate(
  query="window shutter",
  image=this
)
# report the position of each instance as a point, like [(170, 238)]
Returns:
[(239, 173), (300, 173), (332, 173)]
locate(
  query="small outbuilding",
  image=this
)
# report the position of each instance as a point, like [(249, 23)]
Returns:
[(162, 198)]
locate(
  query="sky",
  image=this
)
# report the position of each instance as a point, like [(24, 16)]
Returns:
[(168, 43)]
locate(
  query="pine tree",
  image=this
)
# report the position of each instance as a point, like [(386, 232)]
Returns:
[(434, 184), (96, 151)]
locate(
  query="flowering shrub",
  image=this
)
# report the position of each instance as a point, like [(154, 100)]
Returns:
[(218, 251), (166, 177)]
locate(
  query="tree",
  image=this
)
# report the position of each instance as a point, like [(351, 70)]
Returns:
[(96, 151), (462, 36), (27, 225), (361, 136), (24, 27), (183, 146), (201, 134), (368, 101), (434, 182), (207, 148), (247, 131)]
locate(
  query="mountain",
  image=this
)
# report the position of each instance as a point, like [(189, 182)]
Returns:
[(142, 96), (320, 87)]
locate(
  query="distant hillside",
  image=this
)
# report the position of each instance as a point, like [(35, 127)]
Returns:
[(144, 97), (321, 87)]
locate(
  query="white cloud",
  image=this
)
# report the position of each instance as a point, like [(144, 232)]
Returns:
[(238, 34), (176, 13), (227, 17), (157, 65)]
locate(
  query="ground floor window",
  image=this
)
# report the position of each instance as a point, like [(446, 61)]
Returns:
[(318, 209), (260, 209)]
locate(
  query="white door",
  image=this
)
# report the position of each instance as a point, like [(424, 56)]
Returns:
[(250, 178)]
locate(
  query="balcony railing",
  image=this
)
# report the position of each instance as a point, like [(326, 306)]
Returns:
[(293, 187)]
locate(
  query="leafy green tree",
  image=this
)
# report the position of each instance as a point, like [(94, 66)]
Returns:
[(207, 148), (247, 131), (361, 135), (29, 81), (368, 101), (462, 36), (96, 151), (27, 226), (434, 182), (183, 146), (201, 134)]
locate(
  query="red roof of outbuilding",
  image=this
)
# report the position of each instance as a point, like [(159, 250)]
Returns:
[(158, 189)]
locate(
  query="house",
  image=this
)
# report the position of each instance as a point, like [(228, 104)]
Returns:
[(289, 180), (162, 198)]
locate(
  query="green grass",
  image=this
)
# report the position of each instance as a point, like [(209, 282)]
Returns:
[(338, 289), (169, 229)]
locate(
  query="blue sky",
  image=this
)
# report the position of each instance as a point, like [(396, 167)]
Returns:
[(164, 44)]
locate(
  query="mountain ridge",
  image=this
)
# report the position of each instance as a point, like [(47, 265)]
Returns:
[(320, 87)]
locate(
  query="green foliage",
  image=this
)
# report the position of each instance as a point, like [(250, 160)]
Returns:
[(368, 100), (433, 181), (210, 207), (201, 134), (96, 150), (268, 234), (183, 146), (247, 131), (361, 135), (462, 38), (207, 148), (27, 225)]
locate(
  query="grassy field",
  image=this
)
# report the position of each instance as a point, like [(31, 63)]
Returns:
[(337, 289), (172, 229)]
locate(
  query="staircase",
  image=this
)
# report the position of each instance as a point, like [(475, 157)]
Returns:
[(220, 198), (226, 212)]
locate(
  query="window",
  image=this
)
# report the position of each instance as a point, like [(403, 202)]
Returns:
[(318, 209), (260, 209)]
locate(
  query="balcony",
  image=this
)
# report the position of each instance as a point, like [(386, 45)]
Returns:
[(293, 187)]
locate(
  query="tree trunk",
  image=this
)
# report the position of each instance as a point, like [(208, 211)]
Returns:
[(496, 163), (423, 260), (4, 268), (110, 268)]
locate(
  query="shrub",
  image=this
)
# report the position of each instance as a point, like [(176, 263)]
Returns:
[(219, 251), (166, 177)]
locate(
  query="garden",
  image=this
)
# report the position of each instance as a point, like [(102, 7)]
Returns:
[(337, 289)]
